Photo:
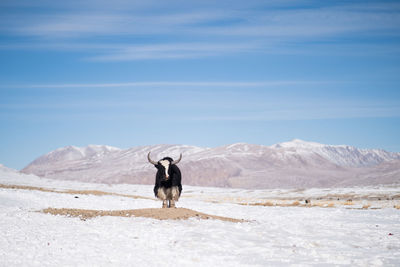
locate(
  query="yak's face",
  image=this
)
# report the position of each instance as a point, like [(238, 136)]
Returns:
[(164, 165)]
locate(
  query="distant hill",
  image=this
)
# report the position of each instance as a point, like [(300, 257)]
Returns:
[(294, 164)]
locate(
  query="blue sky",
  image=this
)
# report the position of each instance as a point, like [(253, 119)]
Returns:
[(207, 73)]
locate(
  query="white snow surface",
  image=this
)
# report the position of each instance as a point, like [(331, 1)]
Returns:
[(273, 236)]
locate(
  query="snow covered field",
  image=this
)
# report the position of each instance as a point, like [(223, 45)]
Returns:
[(272, 235)]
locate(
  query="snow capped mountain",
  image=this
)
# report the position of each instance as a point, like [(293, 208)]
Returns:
[(290, 164), (76, 153), (6, 169), (341, 155)]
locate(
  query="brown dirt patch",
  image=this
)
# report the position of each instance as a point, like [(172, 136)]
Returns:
[(159, 214), (24, 187), (73, 192), (291, 204)]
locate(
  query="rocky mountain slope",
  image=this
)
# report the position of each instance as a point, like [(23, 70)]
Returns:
[(294, 164)]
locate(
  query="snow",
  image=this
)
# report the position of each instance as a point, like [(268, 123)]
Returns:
[(299, 144), (272, 236), (341, 155)]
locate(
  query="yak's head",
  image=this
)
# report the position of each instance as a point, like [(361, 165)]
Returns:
[(164, 164)]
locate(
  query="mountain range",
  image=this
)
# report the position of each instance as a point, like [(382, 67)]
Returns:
[(294, 164)]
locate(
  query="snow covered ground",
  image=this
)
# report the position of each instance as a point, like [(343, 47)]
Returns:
[(273, 235)]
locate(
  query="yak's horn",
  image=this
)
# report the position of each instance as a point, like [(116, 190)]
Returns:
[(177, 161), (151, 161)]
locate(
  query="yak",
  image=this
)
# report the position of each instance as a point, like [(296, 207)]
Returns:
[(168, 185)]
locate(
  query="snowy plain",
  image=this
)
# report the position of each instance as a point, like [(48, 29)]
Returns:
[(271, 235)]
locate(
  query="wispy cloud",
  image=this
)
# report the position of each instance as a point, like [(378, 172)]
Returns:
[(175, 50), (214, 20), (225, 101), (174, 84), (309, 113), (204, 112), (197, 30), (84, 25)]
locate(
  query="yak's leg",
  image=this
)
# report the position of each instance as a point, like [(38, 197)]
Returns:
[(161, 194), (168, 196), (174, 196)]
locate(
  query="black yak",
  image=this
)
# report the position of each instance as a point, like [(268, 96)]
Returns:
[(168, 185)]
